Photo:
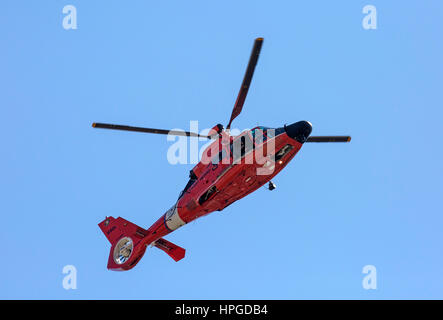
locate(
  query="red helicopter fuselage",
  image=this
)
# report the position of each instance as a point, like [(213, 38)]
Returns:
[(222, 177), (225, 180), (230, 169)]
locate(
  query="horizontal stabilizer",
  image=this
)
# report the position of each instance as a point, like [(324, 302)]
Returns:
[(175, 252)]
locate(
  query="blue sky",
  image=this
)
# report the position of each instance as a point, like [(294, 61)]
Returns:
[(337, 207)]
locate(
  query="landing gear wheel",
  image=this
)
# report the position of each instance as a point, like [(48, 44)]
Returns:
[(271, 186)]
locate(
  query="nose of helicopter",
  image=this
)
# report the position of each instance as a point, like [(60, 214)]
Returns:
[(299, 131)]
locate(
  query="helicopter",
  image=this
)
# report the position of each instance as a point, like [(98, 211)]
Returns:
[(231, 167)]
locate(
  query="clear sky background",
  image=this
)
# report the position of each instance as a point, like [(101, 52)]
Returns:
[(337, 207)]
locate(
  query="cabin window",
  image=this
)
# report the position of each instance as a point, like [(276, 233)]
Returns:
[(241, 146), (207, 195), (283, 151), (221, 155)]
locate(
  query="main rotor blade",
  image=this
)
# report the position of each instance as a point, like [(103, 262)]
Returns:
[(329, 139), (149, 130), (246, 80)]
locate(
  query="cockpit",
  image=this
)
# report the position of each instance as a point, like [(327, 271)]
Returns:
[(260, 134), (238, 148)]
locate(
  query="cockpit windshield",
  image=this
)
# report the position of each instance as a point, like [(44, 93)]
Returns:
[(259, 134), (262, 128)]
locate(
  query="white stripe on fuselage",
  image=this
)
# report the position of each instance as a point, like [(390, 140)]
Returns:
[(172, 219)]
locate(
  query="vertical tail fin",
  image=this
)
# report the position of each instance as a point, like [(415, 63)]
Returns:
[(127, 245)]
